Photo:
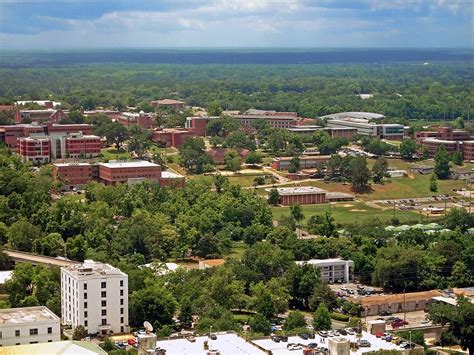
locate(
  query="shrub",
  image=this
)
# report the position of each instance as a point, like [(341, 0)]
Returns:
[(340, 317)]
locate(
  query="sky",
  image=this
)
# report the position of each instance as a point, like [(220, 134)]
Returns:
[(235, 23)]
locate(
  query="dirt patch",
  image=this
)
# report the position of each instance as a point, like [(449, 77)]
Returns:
[(357, 210), (347, 205)]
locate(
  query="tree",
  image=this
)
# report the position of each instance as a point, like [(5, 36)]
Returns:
[(277, 141), (459, 123), (416, 336), (232, 161), (273, 197), (238, 139), (259, 324), (379, 170), (457, 158), (359, 174), (270, 298), (323, 225), (254, 158), (22, 234), (408, 149), (139, 140), (294, 165), (214, 108), (79, 333), (108, 345), (294, 320), (193, 156), (460, 319), (458, 218), (114, 133), (297, 213), (442, 169), (322, 318), (433, 183), (73, 117)]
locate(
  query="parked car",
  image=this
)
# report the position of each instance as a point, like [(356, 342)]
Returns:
[(364, 343), (284, 338), (312, 345), (276, 338), (398, 323), (342, 331), (385, 313), (323, 334), (304, 336), (324, 350), (293, 346)]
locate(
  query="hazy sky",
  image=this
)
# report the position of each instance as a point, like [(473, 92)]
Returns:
[(236, 23)]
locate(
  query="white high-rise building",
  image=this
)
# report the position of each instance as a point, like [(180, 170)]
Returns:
[(95, 295)]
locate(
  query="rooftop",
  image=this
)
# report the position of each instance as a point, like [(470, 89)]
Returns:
[(226, 344), (363, 115), (303, 190), (67, 347), (213, 262), (26, 315), (171, 175), (399, 297), (71, 164), (303, 157), (324, 261), (436, 140), (93, 268), (168, 102), (5, 275), (129, 164)]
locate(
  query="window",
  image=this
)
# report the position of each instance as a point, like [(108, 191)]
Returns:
[(85, 287), (104, 321), (103, 284), (121, 319), (50, 341), (121, 301), (85, 314), (17, 332), (85, 323), (121, 283), (103, 294), (121, 292), (104, 303), (1, 335), (33, 342), (34, 331), (85, 304), (121, 310), (104, 312), (50, 330), (85, 296)]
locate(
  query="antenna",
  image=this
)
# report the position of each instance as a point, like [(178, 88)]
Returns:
[(148, 327)]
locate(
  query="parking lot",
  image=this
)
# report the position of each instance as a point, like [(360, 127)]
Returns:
[(353, 289), (414, 319)]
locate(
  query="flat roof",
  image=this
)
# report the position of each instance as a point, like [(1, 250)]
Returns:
[(226, 344), (5, 275), (95, 268), (170, 175), (324, 261), (273, 117), (361, 114), (71, 164), (10, 316), (129, 164), (302, 190), (304, 157), (399, 297), (281, 347), (436, 140), (168, 101), (66, 347)]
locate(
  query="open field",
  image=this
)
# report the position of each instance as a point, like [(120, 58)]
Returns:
[(351, 212), (113, 154)]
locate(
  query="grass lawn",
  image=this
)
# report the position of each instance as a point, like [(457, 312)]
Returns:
[(351, 212), (244, 180), (113, 154), (237, 251)]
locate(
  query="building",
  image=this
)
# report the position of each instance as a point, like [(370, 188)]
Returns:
[(45, 103), (332, 270), (339, 346), (304, 195), (304, 129), (72, 175), (65, 347), (95, 295), (170, 178), (171, 137), (197, 124), (341, 132), (80, 145), (9, 134), (28, 325), (142, 119), (397, 303), (4, 276), (361, 122), (112, 114), (34, 149), (170, 103), (52, 128), (453, 140), (208, 263), (306, 162), (274, 120), (115, 172), (39, 116), (444, 133), (468, 150), (218, 154)]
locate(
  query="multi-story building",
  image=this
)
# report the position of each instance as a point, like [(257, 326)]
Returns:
[(170, 103), (361, 122), (45, 103), (34, 149), (443, 133), (306, 162), (468, 150), (72, 175), (95, 295), (434, 143), (197, 124), (79, 145), (112, 173), (275, 121), (84, 128), (28, 325), (332, 270), (451, 139), (171, 137), (39, 116), (142, 119), (304, 195)]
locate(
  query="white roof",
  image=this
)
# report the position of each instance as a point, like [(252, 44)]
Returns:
[(71, 164), (66, 347), (226, 344), (363, 115), (324, 261), (39, 102), (129, 164), (26, 315), (5, 275), (303, 190), (92, 268), (436, 140), (170, 175)]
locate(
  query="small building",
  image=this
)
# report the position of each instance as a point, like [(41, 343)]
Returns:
[(171, 137), (306, 162), (170, 178), (65, 347), (339, 346), (115, 172), (218, 154), (176, 105), (95, 295), (304, 195), (4, 276), (422, 169), (197, 124), (208, 263), (28, 325), (142, 119), (394, 173), (332, 270)]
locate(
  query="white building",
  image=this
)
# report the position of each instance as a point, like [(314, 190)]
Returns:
[(332, 270), (28, 325), (95, 295)]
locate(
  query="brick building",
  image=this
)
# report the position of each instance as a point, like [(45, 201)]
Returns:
[(72, 175), (341, 132), (170, 103), (304, 195), (34, 149), (468, 150), (10, 134), (83, 128), (306, 162), (453, 140), (112, 114), (39, 116), (79, 145), (443, 133), (142, 119), (218, 154), (44, 103), (170, 137), (128, 172), (197, 125)]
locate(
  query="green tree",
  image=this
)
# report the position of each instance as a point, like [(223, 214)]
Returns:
[(108, 345), (294, 320), (73, 117), (294, 165), (433, 183), (359, 174), (408, 149), (323, 225), (254, 158), (214, 108), (139, 140), (416, 336), (273, 197), (80, 333), (22, 234), (259, 324), (232, 161), (322, 318), (379, 170), (114, 133), (458, 218), (277, 141), (442, 158), (297, 213), (270, 298), (459, 123), (193, 156), (457, 158)]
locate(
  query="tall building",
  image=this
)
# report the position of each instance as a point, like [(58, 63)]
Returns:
[(28, 325), (95, 295), (115, 172), (142, 119), (332, 270), (34, 149)]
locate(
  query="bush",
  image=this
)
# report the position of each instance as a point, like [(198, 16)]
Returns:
[(260, 324), (340, 317), (294, 320)]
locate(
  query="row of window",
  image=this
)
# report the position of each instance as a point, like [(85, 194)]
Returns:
[(33, 331)]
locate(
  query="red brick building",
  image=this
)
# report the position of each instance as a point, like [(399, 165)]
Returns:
[(341, 132), (116, 172), (468, 150), (10, 134), (453, 140), (170, 103), (83, 128), (304, 195), (112, 114), (36, 150), (443, 133), (306, 162), (72, 175), (170, 137), (78, 145), (142, 119), (218, 154), (39, 116), (197, 125)]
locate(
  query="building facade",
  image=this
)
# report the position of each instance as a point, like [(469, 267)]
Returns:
[(128, 172), (39, 116), (95, 295), (28, 325), (36, 150), (170, 103), (170, 137), (305, 195), (142, 119), (332, 270), (72, 175), (306, 162)]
